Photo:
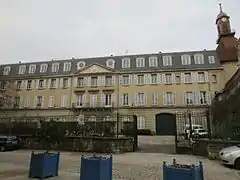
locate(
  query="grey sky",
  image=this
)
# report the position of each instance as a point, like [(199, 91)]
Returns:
[(34, 30)]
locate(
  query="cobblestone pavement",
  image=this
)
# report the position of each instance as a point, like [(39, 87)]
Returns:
[(130, 166)]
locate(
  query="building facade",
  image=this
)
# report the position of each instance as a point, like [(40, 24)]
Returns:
[(144, 84)]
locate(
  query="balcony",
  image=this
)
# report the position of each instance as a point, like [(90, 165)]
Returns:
[(89, 106)]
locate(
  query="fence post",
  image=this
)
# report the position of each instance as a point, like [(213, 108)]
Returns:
[(190, 124), (135, 134), (117, 123), (209, 124)]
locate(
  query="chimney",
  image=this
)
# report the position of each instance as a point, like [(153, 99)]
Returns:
[(19, 62)]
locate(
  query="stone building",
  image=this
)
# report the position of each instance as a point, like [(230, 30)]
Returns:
[(142, 84)]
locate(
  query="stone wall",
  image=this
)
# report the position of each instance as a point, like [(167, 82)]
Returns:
[(211, 148), (85, 144)]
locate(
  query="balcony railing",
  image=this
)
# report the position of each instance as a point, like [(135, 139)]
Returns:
[(92, 105)]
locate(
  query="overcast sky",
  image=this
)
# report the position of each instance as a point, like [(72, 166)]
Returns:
[(35, 30)]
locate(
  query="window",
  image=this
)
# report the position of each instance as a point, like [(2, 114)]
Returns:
[(167, 60), (93, 100), (125, 99), (53, 83), (155, 99), (169, 98), (214, 78), (2, 84), (177, 79), (81, 64), (140, 79), (140, 99), (27, 101), (67, 66), (154, 78), (153, 61), (140, 62), (22, 69), (126, 80), (187, 78), (65, 82), (93, 81), (199, 59), (29, 84), (16, 101), (110, 63), (39, 101), (125, 63), (51, 101), (186, 59), (41, 83), (188, 98), (6, 70), (19, 83), (55, 67), (211, 59), (203, 97), (92, 118), (32, 69), (64, 101), (108, 99), (80, 82), (168, 78), (201, 77), (108, 80), (141, 124), (79, 100), (43, 68)]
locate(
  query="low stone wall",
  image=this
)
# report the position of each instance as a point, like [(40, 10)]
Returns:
[(85, 144), (211, 148)]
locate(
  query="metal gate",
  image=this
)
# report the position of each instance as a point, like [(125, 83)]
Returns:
[(165, 124), (189, 127)]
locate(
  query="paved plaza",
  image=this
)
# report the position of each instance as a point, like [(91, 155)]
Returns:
[(130, 166)]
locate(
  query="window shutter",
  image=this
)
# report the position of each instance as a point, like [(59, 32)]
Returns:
[(197, 98), (49, 83), (21, 103), (129, 99), (42, 102), (184, 98), (173, 78), (23, 84), (61, 83), (120, 80), (63, 101), (69, 82), (85, 81), (113, 100), (159, 78), (164, 98), (182, 78), (113, 80), (121, 99), (193, 77), (136, 99), (103, 80), (84, 98), (99, 81), (57, 82), (75, 82), (146, 79), (135, 79), (103, 100), (35, 101), (206, 76), (130, 79), (145, 99), (174, 98), (44, 83), (208, 97), (163, 78), (26, 81)]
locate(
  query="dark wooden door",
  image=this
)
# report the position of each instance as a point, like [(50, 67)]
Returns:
[(165, 124)]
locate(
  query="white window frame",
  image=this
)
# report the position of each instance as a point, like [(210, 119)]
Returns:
[(32, 69), (189, 98), (83, 65), (67, 66), (125, 99), (126, 63), (79, 100), (186, 59), (140, 79), (55, 67), (108, 100), (185, 78), (22, 69), (199, 58), (141, 123), (199, 78), (93, 100), (140, 99), (110, 65), (153, 61), (167, 60), (140, 62), (155, 99), (51, 101), (169, 98), (168, 78), (64, 100), (123, 80), (6, 70), (154, 78), (211, 59), (43, 68)]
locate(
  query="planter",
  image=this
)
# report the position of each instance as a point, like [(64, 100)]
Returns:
[(43, 165), (96, 168), (182, 172)]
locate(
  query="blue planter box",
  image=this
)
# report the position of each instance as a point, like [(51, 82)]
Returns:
[(96, 168), (182, 172), (43, 165)]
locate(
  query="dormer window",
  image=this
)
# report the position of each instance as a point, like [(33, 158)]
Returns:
[(211, 59), (153, 61), (81, 64), (126, 63), (22, 69), (32, 69), (6, 70), (43, 68), (199, 59), (186, 59), (110, 63), (167, 60), (67, 66), (55, 67), (140, 62)]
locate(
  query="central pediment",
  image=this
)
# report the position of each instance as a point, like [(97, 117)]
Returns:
[(94, 68)]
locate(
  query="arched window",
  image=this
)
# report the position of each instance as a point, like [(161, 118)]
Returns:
[(92, 118)]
